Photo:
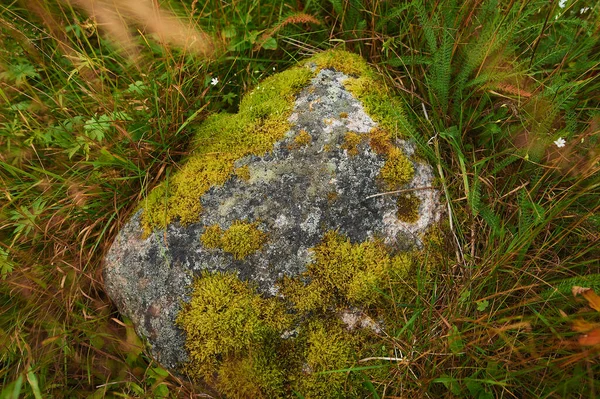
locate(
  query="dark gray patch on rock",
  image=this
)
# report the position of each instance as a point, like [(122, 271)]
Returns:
[(295, 194)]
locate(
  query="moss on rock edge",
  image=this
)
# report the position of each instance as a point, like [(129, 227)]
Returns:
[(247, 345)]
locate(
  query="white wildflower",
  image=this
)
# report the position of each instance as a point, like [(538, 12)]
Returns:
[(560, 142), (214, 81), (584, 10), (562, 3)]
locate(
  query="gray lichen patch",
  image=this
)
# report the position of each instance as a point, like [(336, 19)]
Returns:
[(296, 193)]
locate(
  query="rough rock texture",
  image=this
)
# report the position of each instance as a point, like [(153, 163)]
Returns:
[(294, 194)]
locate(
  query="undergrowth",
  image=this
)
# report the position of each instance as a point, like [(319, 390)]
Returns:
[(504, 102)]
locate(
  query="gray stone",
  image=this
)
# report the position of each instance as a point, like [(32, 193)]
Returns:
[(295, 193)]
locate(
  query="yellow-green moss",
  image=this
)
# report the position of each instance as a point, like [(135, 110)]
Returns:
[(329, 347), (261, 121), (408, 208), (240, 239), (303, 138), (306, 297), (226, 319), (385, 108), (347, 272), (351, 142), (222, 139), (343, 61), (380, 140), (243, 173), (234, 335), (211, 238), (256, 375), (397, 170)]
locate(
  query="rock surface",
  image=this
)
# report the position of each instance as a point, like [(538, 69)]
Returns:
[(307, 185)]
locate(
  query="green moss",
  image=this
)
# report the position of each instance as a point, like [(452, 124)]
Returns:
[(329, 347), (380, 141), (351, 142), (258, 375), (227, 321), (222, 139), (343, 61), (306, 297), (397, 170), (243, 173), (408, 208), (385, 108), (303, 138), (240, 239), (346, 272), (234, 335)]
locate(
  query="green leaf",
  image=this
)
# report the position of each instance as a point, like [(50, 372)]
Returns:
[(95, 128), (33, 382), (464, 296), (229, 32), (161, 391), (12, 390), (482, 305), (270, 44), (455, 341), (450, 383), (6, 265)]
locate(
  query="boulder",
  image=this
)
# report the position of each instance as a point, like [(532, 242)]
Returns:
[(309, 196)]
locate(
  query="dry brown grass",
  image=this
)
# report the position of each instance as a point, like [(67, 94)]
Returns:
[(122, 20)]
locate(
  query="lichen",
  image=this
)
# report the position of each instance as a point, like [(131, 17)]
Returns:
[(408, 208), (240, 239), (222, 139)]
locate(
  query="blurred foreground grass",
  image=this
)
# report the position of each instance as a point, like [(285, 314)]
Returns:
[(504, 98)]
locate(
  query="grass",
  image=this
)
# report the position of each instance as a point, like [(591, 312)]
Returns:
[(88, 127)]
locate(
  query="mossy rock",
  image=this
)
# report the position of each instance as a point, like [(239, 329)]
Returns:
[(284, 217)]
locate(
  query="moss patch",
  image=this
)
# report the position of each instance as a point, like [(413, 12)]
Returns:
[(328, 347), (222, 139), (345, 273), (342, 61), (408, 208), (397, 170), (227, 321), (243, 173), (235, 336), (240, 239), (302, 139), (351, 142)]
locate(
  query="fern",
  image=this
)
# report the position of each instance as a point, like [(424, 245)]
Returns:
[(564, 286), (492, 220), (475, 195)]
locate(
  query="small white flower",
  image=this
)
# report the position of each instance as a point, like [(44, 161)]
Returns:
[(560, 142), (562, 3), (584, 10), (214, 81)]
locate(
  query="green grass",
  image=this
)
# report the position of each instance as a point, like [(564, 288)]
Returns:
[(85, 133)]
